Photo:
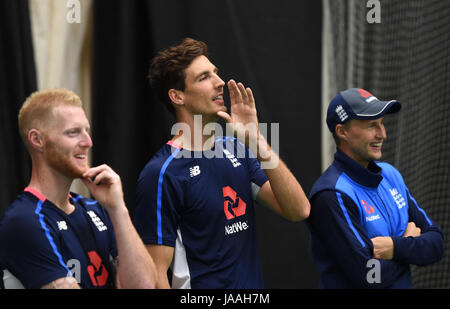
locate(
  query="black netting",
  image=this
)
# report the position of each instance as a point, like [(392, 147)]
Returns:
[(405, 57)]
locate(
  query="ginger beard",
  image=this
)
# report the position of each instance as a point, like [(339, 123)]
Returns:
[(65, 163)]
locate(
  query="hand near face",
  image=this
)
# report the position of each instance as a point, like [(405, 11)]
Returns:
[(105, 185), (243, 110), (243, 119)]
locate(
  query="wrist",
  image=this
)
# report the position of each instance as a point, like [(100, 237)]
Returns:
[(264, 151), (118, 210), (399, 243), (259, 146)]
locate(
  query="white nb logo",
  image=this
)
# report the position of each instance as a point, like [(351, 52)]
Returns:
[(194, 171), (62, 225)]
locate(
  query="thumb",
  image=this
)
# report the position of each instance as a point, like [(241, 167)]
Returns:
[(224, 116), (88, 183)]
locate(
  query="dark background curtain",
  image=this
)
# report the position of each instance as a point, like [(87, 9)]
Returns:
[(274, 47), (17, 81)]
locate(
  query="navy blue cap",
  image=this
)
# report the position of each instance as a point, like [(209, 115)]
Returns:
[(357, 103)]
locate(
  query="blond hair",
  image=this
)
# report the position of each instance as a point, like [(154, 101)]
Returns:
[(37, 109)]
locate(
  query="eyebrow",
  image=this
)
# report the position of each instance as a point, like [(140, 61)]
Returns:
[(78, 127), (374, 121), (215, 70)]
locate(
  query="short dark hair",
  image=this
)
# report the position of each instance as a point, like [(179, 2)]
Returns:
[(167, 70)]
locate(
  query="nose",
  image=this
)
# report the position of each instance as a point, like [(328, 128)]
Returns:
[(381, 132), (219, 82), (86, 140)]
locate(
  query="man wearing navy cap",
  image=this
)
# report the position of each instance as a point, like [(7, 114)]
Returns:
[(366, 227)]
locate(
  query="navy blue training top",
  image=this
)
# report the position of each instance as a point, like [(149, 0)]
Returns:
[(202, 204), (39, 243), (350, 205)]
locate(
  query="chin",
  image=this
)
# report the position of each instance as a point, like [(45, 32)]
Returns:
[(73, 171), (80, 171), (377, 157), (69, 169), (219, 108)]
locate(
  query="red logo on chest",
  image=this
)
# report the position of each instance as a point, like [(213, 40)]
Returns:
[(369, 209), (233, 205)]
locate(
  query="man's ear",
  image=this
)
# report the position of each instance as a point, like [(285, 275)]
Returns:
[(176, 96), (36, 139), (340, 131)]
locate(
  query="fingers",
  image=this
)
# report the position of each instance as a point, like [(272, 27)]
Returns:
[(105, 186), (100, 174), (239, 94), (243, 93), (251, 99), (232, 90), (412, 230), (224, 116)]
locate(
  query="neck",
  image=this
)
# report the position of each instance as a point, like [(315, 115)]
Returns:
[(361, 161), (195, 133), (54, 186)]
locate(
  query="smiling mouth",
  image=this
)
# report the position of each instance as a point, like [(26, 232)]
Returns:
[(376, 145), (219, 98), (81, 156)]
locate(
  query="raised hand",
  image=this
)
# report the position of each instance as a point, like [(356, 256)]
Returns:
[(105, 185), (243, 119)]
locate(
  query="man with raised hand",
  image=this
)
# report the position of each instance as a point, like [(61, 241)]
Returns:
[(195, 198)]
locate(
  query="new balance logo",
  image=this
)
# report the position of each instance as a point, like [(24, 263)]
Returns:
[(194, 171), (62, 225)]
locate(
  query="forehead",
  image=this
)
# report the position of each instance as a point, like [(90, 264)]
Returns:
[(199, 65), (363, 122), (68, 115)]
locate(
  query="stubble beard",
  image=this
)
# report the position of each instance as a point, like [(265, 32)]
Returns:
[(62, 162)]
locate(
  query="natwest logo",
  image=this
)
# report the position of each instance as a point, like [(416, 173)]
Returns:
[(233, 205), (235, 227), (369, 209)]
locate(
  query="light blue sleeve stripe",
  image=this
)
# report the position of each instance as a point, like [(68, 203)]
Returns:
[(76, 198), (49, 237), (349, 221), (159, 194), (91, 202), (420, 209)]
